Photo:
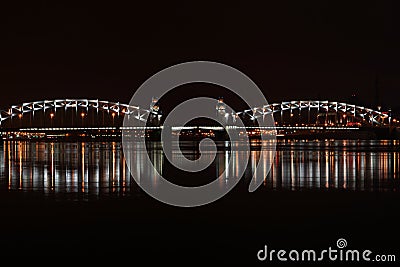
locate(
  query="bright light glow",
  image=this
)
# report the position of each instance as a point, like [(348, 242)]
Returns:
[(51, 115), (83, 114)]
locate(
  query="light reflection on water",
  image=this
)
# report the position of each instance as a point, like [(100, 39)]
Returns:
[(92, 170)]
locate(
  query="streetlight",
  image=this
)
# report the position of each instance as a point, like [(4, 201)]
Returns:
[(82, 116), (344, 119), (51, 118), (113, 116), (20, 118), (291, 116)]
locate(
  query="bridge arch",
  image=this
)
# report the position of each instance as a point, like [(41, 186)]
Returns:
[(366, 115), (99, 105)]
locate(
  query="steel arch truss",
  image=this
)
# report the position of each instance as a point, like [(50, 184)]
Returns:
[(31, 107), (371, 116)]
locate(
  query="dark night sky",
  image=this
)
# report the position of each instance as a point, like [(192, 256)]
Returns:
[(307, 50)]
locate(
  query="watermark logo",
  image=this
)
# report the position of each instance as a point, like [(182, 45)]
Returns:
[(338, 253), (195, 72), (341, 243)]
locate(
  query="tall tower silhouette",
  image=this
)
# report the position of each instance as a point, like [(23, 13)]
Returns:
[(377, 103)]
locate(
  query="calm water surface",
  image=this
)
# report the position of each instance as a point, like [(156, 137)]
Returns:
[(96, 169)]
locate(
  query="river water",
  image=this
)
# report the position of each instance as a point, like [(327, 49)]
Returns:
[(94, 170)]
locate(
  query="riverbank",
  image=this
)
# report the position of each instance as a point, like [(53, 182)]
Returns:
[(290, 133)]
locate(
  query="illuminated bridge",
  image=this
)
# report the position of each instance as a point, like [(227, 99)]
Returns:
[(75, 104), (75, 117), (84, 117), (312, 112)]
